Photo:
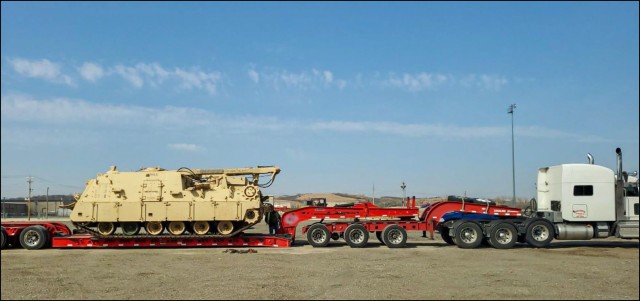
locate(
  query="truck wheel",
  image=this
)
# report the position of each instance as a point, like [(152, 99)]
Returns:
[(34, 237), (5, 239), (468, 235), (540, 233), (503, 236), (379, 236), (394, 236), (356, 236), (318, 235), (444, 233)]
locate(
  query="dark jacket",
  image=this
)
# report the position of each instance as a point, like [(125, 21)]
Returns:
[(272, 218)]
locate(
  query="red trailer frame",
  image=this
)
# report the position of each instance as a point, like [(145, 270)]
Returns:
[(404, 217), (60, 236)]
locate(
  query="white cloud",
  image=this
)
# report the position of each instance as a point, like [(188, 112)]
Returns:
[(484, 81), (185, 147), (132, 75), (328, 76), (417, 82), (43, 69), (154, 74), (91, 71), (66, 111), (304, 80), (255, 77)]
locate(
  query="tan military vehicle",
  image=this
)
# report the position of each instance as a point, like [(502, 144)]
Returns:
[(200, 201)]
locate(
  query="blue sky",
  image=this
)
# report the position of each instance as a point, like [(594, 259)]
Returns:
[(341, 96)]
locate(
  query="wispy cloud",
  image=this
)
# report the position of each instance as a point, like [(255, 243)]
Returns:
[(304, 80), (186, 147), (43, 69), (91, 72), (417, 82), (154, 75), (484, 81), (67, 111)]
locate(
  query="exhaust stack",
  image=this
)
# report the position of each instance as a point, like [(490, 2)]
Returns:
[(590, 158), (619, 163)]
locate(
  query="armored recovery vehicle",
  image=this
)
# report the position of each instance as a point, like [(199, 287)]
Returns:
[(220, 202)]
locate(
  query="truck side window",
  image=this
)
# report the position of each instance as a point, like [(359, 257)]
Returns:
[(636, 208), (583, 190)]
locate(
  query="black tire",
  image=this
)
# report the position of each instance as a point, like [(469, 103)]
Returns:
[(5, 239), (34, 237), (356, 236), (318, 235), (394, 236), (131, 228), (540, 233), (444, 233), (379, 236), (503, 236), (468, 235)]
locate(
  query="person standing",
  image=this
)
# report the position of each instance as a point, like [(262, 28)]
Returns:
[(272, 218)]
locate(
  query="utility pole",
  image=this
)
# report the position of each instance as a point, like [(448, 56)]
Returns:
[(512, 107), (404, 197), (373, 199), (29, 180), (46, 214)]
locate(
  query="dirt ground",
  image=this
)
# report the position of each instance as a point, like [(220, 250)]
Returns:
[(425, 269)]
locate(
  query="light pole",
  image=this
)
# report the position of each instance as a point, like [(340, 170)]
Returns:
[(512, 107), (404, 198), (46, 214)]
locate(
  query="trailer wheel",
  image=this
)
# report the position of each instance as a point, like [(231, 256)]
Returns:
[(356, 236), (540, 233), (5, 239), (379, 236), (34, 237), (503, 236), (444, 233), (394, 236), (318, 235), (468, 235)]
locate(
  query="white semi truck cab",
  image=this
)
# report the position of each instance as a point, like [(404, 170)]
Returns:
[(587, 201)]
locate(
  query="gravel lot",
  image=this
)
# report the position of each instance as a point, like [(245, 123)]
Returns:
[(425, 269)]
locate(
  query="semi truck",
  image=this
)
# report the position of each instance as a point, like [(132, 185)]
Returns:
[(574, 202)]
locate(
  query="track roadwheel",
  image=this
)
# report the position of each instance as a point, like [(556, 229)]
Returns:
[(468, 235), (106, 228), (34, 237), (356, 236), (130, 228), (176, 228), (225, 227), (503, 236), (200, 227), (252, 216), (394, 236), (540, 233), (444, 233), (154, 228), (318, 235), (5, 239)]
